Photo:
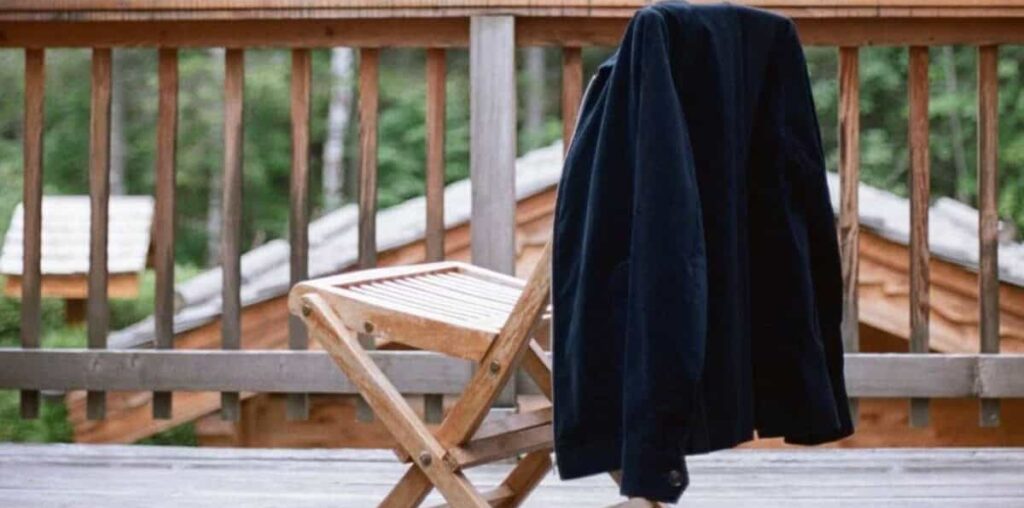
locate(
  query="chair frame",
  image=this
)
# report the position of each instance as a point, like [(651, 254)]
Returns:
[(437, 458)]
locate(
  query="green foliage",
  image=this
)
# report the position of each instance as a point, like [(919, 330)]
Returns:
[(52, 426), (182, 435)]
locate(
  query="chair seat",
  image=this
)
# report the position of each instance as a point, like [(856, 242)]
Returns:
[(421, 305)]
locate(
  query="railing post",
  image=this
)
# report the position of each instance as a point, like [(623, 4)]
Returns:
[(231, 225), (298, 219), (849, 182), (572, 91), (32, 210), (99, 199), (433, 404), (918, 91), (988, 218), (369, 98), (166, 143), (492, 154)]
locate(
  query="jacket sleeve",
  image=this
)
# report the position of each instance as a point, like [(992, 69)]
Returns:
[(803, 140), (665, 277)]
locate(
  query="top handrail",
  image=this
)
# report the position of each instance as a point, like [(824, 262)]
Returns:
[(195, 10)]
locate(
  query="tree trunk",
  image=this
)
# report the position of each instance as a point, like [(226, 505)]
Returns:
[(955, 129), (213, 217), (338, 114), (535, 97)]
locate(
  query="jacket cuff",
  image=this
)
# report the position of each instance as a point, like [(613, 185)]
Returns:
[(656, 476)]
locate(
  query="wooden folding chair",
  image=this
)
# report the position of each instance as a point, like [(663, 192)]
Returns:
[(458, 310), (462, 311)]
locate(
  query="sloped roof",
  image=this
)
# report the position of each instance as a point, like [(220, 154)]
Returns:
[(333, 243), (952, 228), (65, 236)]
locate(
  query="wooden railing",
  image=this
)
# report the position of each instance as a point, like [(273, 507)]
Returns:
[(491, 31)]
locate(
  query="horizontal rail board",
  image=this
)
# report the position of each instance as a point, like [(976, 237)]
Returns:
[(867, 374), (220, 370), (239, 9), (285, 32)]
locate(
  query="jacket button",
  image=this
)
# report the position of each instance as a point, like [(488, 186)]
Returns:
[(675, 478)]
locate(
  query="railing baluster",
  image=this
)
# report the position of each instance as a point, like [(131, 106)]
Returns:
[(435, 153), (435, 231), (32, 210), (988, 218), (298, 228), (369, 96), (231, 226), (919, 189), (849, 179), (572, 91), (99, 200), (163, 259)]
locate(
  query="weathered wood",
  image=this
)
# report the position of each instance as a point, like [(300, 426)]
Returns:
[(290, 30), (32, 201), (988, 216), (369, 96), (231, 225), (298, 218), (435, 154), (849, 182), (234, 9), (387, 403), (504, 355), (99, 199), (369, 91), (918, 91), (278, 371), (572, 91), (784, 478), (526, 476), (492, 133), (502, 446), (164, 221)]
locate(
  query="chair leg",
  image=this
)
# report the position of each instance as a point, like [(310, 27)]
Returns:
[(387, 403), (526, 476), (410, 491)]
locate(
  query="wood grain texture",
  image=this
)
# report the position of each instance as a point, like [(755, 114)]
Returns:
[(164, 217), (884, 375), (918, 92), (369, 97), (291, 30), (436, 100), (388, 403), (98, 305), (988, 216), (849, 182), (572, 91), (918, 88), (492, 155), (298, 207), (233, 9), (32, 201), (231, 225), (369, 93), (265, 478)]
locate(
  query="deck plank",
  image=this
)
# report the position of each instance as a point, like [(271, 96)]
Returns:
[(56, 475)]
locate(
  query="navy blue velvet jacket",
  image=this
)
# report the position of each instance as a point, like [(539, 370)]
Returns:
[(696, 277)]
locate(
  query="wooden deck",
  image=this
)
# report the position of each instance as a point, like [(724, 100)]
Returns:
[(126, 476)]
